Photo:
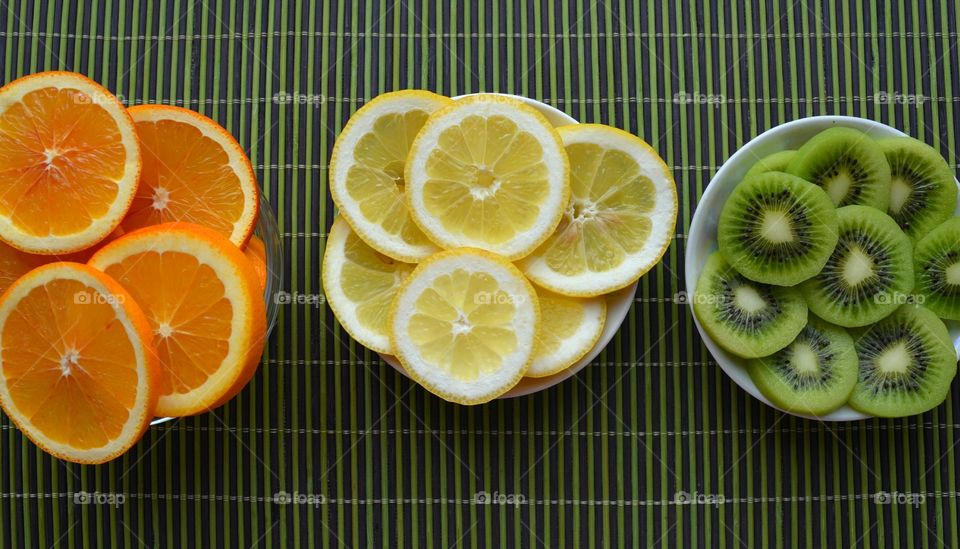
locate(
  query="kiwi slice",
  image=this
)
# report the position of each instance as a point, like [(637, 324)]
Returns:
[(776, 162), (923, 191), (848, 165), (936, 262), (814, 374), (744, 317), (777, 228), (869, 274), (906, 364)]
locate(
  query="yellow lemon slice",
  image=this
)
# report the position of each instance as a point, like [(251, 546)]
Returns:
[(464, 325), (359, 284), (488, 172), (571, 326), (367, 172), (620, 219)]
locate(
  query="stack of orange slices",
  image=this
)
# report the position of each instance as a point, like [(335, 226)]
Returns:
[(132, 285)]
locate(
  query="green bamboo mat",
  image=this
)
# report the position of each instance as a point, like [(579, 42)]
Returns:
[(651, 444)]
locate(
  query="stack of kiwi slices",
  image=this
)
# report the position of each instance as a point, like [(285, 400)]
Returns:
[(837, 264)]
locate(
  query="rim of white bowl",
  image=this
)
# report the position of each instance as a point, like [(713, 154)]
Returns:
[(618, 303), (702, 238)]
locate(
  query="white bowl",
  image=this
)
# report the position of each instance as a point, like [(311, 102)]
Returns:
[(702, 239), (618, 303)]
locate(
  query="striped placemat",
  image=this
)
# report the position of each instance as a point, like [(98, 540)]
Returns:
[(652, 444)]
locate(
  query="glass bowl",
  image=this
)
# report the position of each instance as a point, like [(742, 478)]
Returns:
[(273, 295)]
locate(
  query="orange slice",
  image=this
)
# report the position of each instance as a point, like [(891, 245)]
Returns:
[(69, 162), (14, 264), (256, 253), (84, 255), (79, 372), (193, 171), (204, 305)]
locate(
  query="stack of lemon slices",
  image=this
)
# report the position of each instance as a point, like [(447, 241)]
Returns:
[(475, 241)]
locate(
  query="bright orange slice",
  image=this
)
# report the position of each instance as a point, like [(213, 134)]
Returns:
[(204, 305), (69, 162), (193, 171), (79, 372), (256, 253)]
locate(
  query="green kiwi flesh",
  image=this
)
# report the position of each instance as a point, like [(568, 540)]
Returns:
[(814, 374), (906, 364), (923, 191), (848, 165), (936, 262), (744, 317), (869, 273), (777, 228), (776, 162)]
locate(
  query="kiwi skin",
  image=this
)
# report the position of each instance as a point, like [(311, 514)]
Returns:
[(936, 258), (862, 229), (812, 392), (746, 235), (776, 162), (923, 191), (720, 289), (835, 156), (919, 364)]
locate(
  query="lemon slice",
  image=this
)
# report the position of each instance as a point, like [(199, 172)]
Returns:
[(621, 216), (571, 326), (366, 172), (359, 284), (488, 172), (464, 325)]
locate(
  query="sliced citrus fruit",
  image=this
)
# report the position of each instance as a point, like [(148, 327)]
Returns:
[(79, 372), (366, 171), (193, 171), (360, 283), (85, 254), (204, 305), (463, 325), (69, 162), (256, 253), (620, 219), (14, 264), (571, 326), (488, 172)]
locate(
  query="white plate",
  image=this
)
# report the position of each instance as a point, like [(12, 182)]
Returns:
[(618, 303), (702, 240)]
